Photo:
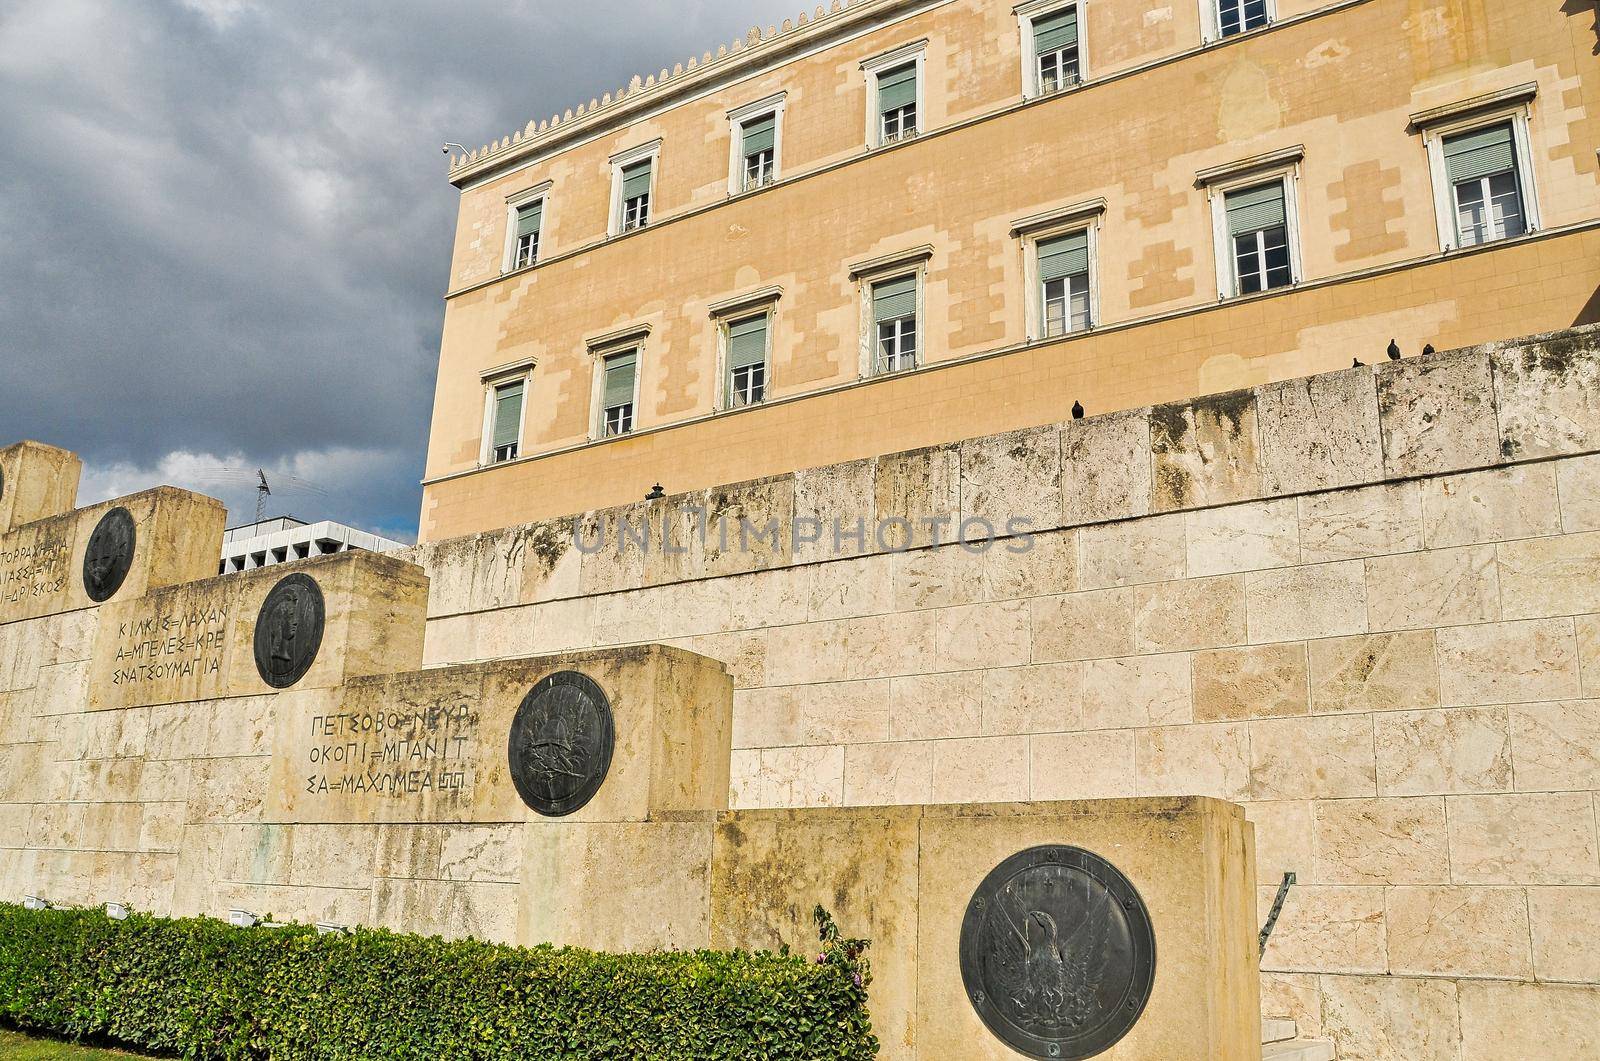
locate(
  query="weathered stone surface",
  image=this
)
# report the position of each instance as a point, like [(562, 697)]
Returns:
[(1374, 672), (979, 635), (1444, 587), (1547, 389), (1043, 698), (1319, 433), (1328, 929), (482, 911), (1013, 477), (1440, 752), (748, 526), (1550, 576), (802, 777), (1391, 1018), (880, 775), (1256, 682), (1524, 838), (1086, 625), (980, 770), (1367, 521), (1490, 506), (1563, 921), (849, 588), (36, 482), (1206, 452), (1284, 836), (1137, 691), (1320, 757), (1243, 537), (1198, 613), (937, 578), (1152, 549), (1048, 564), (1578, 484), (1437, 414), (1097, 765), (1105, 467), (1504, 663), (839, 494), (1382, 841), (1447, 931), (1296, 997), (1211, 760), (1531, 1022), (1556, 747), (927, 706), (921, 487), (1304, 603)]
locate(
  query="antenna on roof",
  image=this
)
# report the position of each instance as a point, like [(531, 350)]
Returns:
[(263, 491)]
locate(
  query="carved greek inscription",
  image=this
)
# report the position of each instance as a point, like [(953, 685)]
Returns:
[(33, 569), (392, 754), (170, 647)]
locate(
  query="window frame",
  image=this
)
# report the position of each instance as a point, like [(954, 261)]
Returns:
[(624, 160), (492, 381), (1211, 22), (1282, 166), (732, 311), (514, 204), (738, 118), (600, 350), (912, 53), (1513, 107), (1027, 14), (1030, 232), (881, 270)]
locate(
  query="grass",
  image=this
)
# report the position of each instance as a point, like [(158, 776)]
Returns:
[(17, 1047)]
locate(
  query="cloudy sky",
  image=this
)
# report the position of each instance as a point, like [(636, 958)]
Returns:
[(225, 224)]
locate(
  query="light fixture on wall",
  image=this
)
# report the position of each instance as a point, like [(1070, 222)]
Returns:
[(329, 928), (117, 911), (33, 902), (243, 919)]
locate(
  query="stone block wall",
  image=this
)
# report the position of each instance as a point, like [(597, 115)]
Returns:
[(1366, 605)]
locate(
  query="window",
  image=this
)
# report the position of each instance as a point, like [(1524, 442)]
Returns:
[(636, 196), (1481, 167), (617, 397), (1240, 16), (1258, 238), (897, 104), (526, 250), (757, 134), (1050, 50), (759, 152), (894, 317), (505, 408), (633, 188), (1064, 284), (747, 360)]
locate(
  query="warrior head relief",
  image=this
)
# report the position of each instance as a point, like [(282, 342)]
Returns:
[(283, 628), (289, 630), (560, 744), (559, 747), (109, 555)]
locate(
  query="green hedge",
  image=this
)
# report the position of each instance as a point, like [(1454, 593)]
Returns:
[(200, 988)]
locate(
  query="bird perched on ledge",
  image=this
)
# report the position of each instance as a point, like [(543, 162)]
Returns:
[(1394, 350), (1427, 349), (1077, 410), (1358, 363)]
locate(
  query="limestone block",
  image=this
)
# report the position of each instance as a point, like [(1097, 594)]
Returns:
[(845, 589), (928, 706), (1257, 682), (838, 713), (450, 640), (938, 577), (1097, 765), (430, 746), (1386, 1018), (1319, 757), (1296, 997), (769, 598), (219, 791), (1578, 484), (802, 777), (1437, 414), (1564, 946), (1490, 506), (1243, 537), (1354, 524), (1196, 613), (744, 778), (1524, 838), (1031, 567), (1205, 452), (1137, 691), (1478, 932), (980, 635), (744, 654), (1443, 587), (453, 909), (813, 652), (1556, 747), (1382, 841), (1440, 752), (921, 487), (1086, 625), (629, 618), (762, 717), (839, 494), (1531, 1022), (694, 608), (748, 526), (1502, 663), (1329, 929), (1012, 480), (1547, 389), (1550, 576), (1303, 603), (1284, 841), (1152, 549), (881, 775), (36, 482), (1375, 672), (1198, 760), (450, 565), (614, 544), (1043, 698), (621, 887), (1320, 432), (980, 769), (1105, 468)]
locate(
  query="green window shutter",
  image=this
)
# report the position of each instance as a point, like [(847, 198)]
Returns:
[(897, 88), (619, 378), (1064, 256), (507, 414), (636, 180), (1055, 31), (1255, 208), (529, 218), (893, 299), (759, 135), (1480, 153), (747, 342)]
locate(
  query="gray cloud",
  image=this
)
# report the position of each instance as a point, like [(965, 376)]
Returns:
[(225, 226)]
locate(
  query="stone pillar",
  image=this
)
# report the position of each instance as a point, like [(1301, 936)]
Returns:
[(36, 482)]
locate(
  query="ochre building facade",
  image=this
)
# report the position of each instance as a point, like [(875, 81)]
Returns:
[(1436, 182)]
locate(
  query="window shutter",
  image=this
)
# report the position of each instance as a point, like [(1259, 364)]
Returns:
[(1055, 31), (507, 414), (1255, 208), (529, 218), (619, 379), (893, 299), (1064, 256), (758, 135), (635, 180), (1480, 153), (747, 342), (897, 88)]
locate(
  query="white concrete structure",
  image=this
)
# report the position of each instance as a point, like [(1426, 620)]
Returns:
[(284, 538)]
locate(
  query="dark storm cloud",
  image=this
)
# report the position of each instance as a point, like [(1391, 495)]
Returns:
[(225, 226)]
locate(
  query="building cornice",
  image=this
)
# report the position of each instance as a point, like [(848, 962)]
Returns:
[(1244, 167), (1506, 97)]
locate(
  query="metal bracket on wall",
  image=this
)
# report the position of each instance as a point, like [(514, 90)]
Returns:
[(1277, 908)]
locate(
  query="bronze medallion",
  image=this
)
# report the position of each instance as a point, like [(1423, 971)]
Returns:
[(110, 555), (289, 630), (1057, 953), (561, 743)]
